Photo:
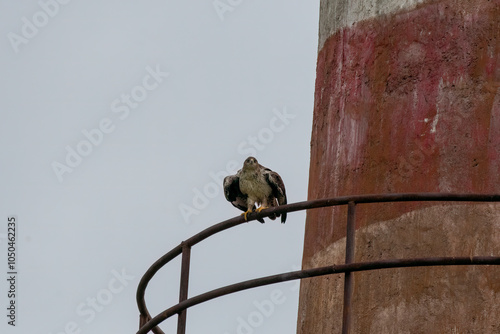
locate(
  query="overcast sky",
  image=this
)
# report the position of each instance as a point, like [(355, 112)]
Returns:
[(119, 119)]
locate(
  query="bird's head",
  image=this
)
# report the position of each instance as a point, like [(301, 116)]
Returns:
[(250, 163)]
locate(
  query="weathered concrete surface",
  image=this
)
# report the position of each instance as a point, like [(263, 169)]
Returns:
[(413, 300), (336, 15), (407, 100)]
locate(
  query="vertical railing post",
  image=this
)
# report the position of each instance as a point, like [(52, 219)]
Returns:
[(183, 292), (349, 258)]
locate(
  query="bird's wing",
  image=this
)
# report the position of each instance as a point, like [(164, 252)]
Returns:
[(274, 180), (234, 195)]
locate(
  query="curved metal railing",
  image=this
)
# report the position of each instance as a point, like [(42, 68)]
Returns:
[(148, 323)]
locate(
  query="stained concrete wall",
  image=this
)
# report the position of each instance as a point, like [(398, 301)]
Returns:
[(407, 100)]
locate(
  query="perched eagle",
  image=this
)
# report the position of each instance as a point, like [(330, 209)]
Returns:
[(254, 185)]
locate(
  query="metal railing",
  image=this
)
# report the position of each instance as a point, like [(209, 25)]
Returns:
[(148, 323)]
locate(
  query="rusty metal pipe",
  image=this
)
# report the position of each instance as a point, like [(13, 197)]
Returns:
[(349, 258), (377, 198), (307, 273), (183, 291)]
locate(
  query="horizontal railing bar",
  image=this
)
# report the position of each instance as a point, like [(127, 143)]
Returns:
[(377, 198), (312, 204), (307, 273)]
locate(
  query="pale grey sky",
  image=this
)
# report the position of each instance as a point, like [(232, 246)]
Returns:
[(119, 118)]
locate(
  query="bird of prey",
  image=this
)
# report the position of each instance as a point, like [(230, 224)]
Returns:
[(254, 185)]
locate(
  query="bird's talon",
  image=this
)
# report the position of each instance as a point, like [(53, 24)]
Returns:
[(261, 208), (244, 214)]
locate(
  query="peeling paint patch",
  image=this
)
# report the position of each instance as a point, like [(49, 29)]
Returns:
[(435, 122)]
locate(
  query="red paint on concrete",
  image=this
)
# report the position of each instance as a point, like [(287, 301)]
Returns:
[(406, 103)]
